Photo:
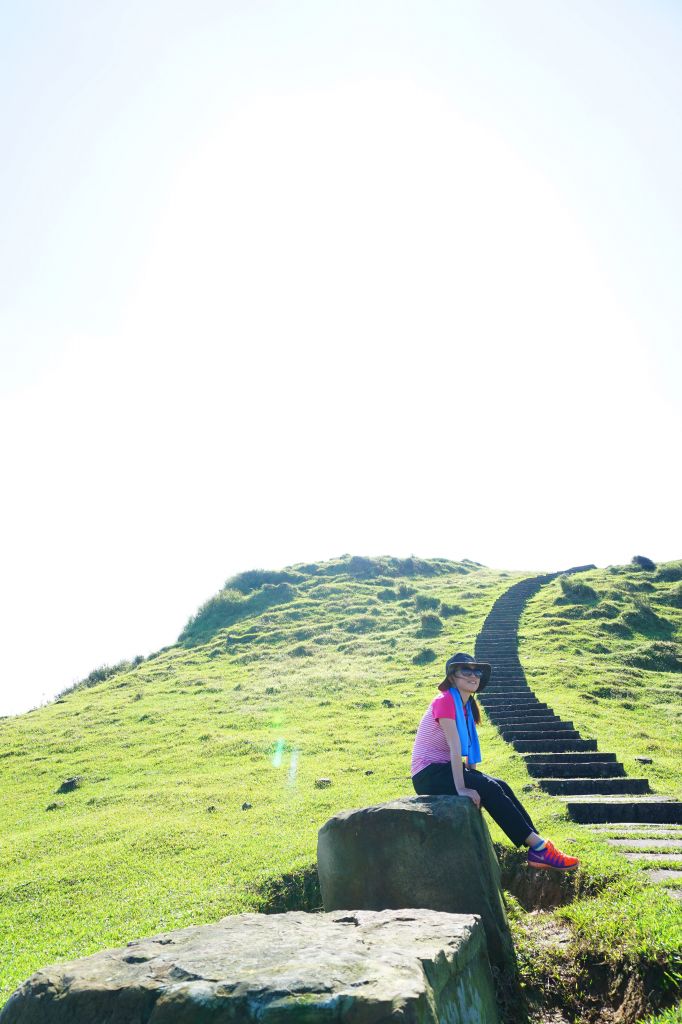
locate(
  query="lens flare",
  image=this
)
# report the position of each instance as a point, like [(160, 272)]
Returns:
[(277, 756)]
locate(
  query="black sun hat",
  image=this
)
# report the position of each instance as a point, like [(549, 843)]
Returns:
[(466, 659)]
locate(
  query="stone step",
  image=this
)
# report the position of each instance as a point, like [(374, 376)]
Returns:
[(513, 707), (507, 674), (502, 716), (660, 857), (501, 700), (500, 682), (552, 746), (653, 857), (505, 645), (585, 787), (510, 693), (506, 650), (664, 875), (509, 664), (500, 697), (564, 757), (646, 809), (517, 714), (536, 716), (655, 831), (504, 654), (542, 725), (502, 630), (571, 770), (516, 708), (532, 734), (674, 845)]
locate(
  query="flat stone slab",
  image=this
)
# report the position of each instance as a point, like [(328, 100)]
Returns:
[(663, 875), (653, 799), (359, 967), (641, 844), (602, 809), (636, 826), (653, 856)]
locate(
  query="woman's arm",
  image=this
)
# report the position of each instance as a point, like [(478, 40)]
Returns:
[(452, 736)]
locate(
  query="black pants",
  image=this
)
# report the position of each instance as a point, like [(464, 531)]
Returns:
[(496, 796)]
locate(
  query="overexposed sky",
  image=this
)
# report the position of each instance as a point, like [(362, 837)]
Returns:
[(281, 281)]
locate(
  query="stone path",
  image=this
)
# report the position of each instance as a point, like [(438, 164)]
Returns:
[(646, 844), (591, 783)]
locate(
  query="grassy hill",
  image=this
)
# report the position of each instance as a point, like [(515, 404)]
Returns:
[(196, 769)]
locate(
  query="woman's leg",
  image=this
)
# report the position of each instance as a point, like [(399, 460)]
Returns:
[(501, 804), (517, 803)]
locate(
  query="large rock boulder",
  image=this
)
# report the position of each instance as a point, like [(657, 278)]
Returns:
[(360, 968), (425, 851)]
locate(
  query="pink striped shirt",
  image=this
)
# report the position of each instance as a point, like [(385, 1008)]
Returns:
[(430, 745)]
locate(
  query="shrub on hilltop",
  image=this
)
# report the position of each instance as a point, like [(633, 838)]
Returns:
[(424, 656), (431, 625), (575, 590), (448, 610), (657, 657), (229, 606), (642, 562), (671, 573), (254, 579), (643, 619)]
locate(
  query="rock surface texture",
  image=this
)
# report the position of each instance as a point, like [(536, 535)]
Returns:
[(424, 851), (359, 967)]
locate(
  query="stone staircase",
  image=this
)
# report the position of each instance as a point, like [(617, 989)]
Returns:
[(592, 784)]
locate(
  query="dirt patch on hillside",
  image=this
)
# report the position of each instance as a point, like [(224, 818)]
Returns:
[(563, 983)]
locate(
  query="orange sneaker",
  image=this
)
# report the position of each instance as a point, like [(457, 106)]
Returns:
[(550, 857)]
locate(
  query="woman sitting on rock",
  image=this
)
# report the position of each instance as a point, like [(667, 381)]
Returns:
[(446, 734)]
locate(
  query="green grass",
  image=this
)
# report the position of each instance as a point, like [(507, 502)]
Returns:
[(155, 836), (671, 1016), (259, 700)]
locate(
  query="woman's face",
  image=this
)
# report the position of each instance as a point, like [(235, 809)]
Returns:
[(466, 681)]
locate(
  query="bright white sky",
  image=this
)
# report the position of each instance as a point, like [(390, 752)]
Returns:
[(284, 280)]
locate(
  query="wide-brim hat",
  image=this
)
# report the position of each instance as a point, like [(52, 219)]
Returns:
[(466, 659)]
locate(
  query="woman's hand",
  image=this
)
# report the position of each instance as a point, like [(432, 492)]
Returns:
[(473, 795)]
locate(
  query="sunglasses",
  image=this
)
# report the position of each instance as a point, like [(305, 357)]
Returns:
[(478, 672)]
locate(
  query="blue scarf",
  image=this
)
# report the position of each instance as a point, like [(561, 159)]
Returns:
[(466, 727)]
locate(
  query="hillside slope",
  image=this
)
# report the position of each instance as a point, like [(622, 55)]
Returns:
[(319, 671), (196, 769)]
